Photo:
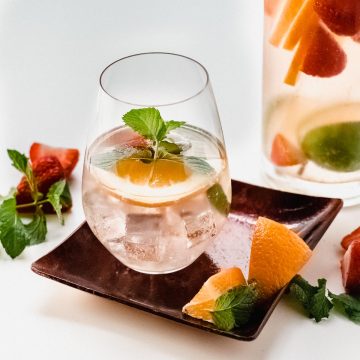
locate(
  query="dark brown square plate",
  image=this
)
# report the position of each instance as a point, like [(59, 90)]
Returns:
[(82, 261)]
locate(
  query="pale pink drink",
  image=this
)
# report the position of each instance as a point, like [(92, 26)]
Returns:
[(156, 205)]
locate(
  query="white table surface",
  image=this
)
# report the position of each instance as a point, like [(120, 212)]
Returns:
[(51, 53)]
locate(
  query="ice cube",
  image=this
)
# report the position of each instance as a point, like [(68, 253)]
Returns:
[(199, 227), (143, 240)]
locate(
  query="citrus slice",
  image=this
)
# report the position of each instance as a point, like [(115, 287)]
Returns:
[(284, 153), (155, 173), (277, 254), (335, 146), (203, 302)]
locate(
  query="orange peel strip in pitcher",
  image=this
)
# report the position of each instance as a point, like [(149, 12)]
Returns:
[(287, 16), (300, 54), (305, 17)]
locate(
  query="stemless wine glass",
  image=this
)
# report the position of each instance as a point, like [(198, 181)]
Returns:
[(156, 201)]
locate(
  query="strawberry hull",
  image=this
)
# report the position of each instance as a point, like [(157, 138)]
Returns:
[(350, 267)]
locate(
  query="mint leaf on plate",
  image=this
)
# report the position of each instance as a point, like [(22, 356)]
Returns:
[(13, 233), (54, 197), (320, 305), (224, 319), (37, 229), (348, 305), (235, 307), (218, 199), (19, 161), (313, 298)]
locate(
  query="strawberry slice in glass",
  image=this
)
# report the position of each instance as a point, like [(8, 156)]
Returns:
[(341, 16), (324, 56)]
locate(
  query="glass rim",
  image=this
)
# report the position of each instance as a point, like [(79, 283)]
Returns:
[(206, 83)]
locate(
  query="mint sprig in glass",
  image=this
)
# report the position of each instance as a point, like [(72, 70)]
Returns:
[(156, 186)]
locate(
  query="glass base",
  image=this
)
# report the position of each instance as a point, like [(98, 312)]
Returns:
[(277, 178)]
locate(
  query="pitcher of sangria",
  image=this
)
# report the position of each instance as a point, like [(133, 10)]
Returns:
[(311, 102)]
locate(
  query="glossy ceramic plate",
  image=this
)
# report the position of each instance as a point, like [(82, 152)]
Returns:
[(82, 262)]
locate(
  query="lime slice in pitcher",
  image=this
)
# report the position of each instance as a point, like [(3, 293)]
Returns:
[(335, 147)]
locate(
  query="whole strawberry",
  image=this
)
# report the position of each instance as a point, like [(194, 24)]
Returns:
[(47, 171)]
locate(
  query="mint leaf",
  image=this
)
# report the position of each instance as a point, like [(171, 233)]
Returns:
[(65, 198), (107, 161), (348, 305), (302, 291), (36, 229), (13, 234), (170, 147), (147, 122), (172, 125), (224, 319), (199, 165), (218, 199), (54, 197), (235, 307), (313, 298), (19, 161), (320, 305)]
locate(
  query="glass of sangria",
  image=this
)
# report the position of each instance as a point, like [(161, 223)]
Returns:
[(156, 185), (311, 102)]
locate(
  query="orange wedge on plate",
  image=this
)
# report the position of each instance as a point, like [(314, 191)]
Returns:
[(277, 255), (203, 303)]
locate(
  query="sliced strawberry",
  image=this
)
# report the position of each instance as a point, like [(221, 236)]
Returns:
[(284, 153), (341, 16), (324, 57), (47, 171), (67, 157), (348, 239), (350, 267)]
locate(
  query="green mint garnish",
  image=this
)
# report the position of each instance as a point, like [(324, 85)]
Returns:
[(37, 229), (348, 305), (15, 235), (54, 198), (235, 307), (148, 123), (218, 199)]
